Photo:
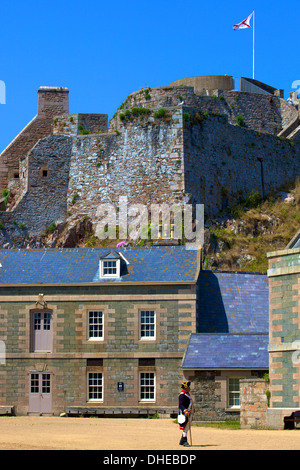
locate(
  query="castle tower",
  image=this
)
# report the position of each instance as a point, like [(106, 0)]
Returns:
[(52, 101)]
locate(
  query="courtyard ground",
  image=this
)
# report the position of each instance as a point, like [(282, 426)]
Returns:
[(54, 433)]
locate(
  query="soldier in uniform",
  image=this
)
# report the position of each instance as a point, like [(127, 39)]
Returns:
[(184, 412)]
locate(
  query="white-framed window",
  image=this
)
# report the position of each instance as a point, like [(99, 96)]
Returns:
[(147, 323), (95, 325), (234, 392), (95, 386), (110, 268), (147, 386)]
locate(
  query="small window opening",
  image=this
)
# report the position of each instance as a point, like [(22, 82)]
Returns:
[(45, 173)]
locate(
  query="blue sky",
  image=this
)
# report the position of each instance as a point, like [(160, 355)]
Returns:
[(103, 51)]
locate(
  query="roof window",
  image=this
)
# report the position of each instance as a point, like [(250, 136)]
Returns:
[(112, 265)]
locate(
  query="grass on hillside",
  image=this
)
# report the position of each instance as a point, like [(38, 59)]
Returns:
[(258, 227)]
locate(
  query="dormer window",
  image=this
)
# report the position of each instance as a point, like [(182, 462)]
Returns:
[(110, 266)]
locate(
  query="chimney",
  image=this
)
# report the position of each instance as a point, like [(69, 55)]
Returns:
[(52, 101)]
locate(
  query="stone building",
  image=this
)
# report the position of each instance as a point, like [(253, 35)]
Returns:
[(231, 342), (114, 331), (284, 347), (95, 331)]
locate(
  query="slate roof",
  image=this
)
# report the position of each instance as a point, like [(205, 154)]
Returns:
[(81, 265), (227, 351), (232, 322), (233, 303)]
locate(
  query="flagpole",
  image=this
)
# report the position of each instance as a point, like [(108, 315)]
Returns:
[(253, 44)]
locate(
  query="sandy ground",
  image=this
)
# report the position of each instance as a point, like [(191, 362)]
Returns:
[(51, 433)]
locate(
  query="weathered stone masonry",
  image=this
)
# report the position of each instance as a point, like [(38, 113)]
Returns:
[(52, 101), (195, 153), (120, 357)]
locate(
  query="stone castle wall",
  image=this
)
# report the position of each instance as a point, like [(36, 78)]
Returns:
[(45, 198), (142, 162), (195, 153), (225, 163), (262, 113)]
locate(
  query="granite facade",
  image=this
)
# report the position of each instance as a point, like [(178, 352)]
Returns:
[(120, 356), (284, 341)]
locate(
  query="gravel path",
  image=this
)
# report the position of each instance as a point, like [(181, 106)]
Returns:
[(41, 433)]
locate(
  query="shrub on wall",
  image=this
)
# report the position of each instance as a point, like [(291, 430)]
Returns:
[(240, 120), (160, 113)]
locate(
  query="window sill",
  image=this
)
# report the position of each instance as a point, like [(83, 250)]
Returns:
[(236, 409)]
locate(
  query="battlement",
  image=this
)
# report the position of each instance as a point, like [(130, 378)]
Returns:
[(80, 124), (260, 107)]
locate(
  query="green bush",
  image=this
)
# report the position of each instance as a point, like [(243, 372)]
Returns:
[(75, 197), (253, 200), (140, 111), (160, 113), (5, 193), (240, 120), (51, 228), (147, 94)]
